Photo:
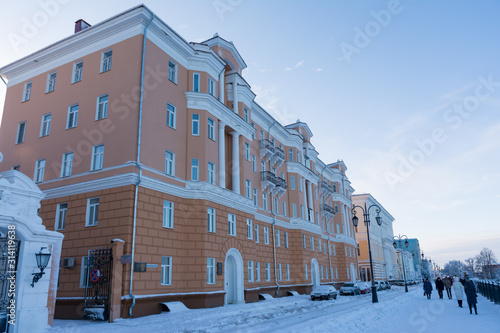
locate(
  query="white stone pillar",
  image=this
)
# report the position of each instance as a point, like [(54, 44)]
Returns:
[(236, 162), (222, 155), (235, 96), (221, 87)]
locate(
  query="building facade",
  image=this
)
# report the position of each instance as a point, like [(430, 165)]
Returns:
[(383, 253), (137, 136)]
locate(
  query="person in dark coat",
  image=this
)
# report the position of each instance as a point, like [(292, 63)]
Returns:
[(447, 284), (440, 287), (427, 288), (470, 292)]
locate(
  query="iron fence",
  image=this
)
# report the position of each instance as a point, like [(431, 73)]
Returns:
[(490, 290)]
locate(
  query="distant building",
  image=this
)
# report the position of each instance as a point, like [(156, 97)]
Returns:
[(415, 255)]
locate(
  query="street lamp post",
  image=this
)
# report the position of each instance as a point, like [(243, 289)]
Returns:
[(399, 238), (366, 216)]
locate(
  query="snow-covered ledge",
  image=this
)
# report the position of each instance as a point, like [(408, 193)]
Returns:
[(31, 308)]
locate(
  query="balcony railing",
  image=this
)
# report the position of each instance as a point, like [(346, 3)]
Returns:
[(280, 188), (268, 180), (325, 189), (266, 149), (327, 212), (278, 158)]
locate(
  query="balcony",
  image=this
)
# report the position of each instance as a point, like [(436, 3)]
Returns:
[(266, 150), (327, 212), (278, 158), (268, 181), (326, 190), (280, 188)]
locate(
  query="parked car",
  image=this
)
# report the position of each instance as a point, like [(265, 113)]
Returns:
[(364, 287), (388, 285), (400, 282), (380, 285), (324, 292), (350, 288)]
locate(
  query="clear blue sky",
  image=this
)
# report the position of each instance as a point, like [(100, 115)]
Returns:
[(404, 101)]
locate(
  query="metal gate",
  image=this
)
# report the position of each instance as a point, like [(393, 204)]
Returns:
[(9, 253), (98, 285)]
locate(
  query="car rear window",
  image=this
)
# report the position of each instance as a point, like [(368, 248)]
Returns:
[(348, 284)]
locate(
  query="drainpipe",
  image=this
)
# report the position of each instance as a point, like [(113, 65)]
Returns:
[(269, 130), (3, 80), (274, 249), (138, 165)]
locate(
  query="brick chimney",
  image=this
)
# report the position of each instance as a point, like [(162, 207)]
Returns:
[(81, 25)]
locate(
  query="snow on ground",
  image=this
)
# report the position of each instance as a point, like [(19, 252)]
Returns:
[(396, 311)]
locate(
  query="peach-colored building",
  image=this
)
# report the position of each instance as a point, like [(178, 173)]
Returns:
[(135, 134)]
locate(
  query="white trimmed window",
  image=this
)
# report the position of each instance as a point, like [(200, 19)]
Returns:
[(334, 187), (266, 235), (102, 107), (347, 269), (247, 151), (331, 272), (169, 163), (196, 82), (211, 173), (329, 248), (62, 210), (92, 212), (166, 270), (231, 224), (290, 156), (77, 72), (255, 198), (210, 270), (292, 182), (168, 214), (254, 163), (276, 207), (195, 124), (312, 243), (84, 272), (319, 244), (171, 115), (72, 116), (245, 115), (287, 272), (249, 229), (39, 171), (21, 131), (305, 271), (304, 244), (211, 129), (326, 272), (286, 239), (321, 272), (106, 58), (27, 91), (283, 208), (263, 165), (97, 157), (268, 271), (172, 71), (211, 87), (336, 207), (280, 277), (67, 164), (278, 238), (45, 125), (256, 227), (250, 271), (298, 156), (264, 201), (294, 210), (334, 250), (51, 82), (248, 188), (336, 273), (195, 169), (315, 192), (257, 272), (211, 219), (300, 184)]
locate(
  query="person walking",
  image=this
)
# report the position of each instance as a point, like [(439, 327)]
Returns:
[(440, 287), (458, 289), (447, 284), (470, 292), (427, 288)]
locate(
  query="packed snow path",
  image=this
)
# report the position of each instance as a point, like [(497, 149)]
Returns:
[(396, 311)]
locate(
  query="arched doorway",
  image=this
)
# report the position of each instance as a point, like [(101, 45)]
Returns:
[(233, 277), (315, 273), (354, 275)]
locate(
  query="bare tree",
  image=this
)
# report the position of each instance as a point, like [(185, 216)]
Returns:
[(469, 266), (453, 268), (485, 261)]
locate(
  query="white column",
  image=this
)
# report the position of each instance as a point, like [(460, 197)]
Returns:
[(221, 86), (222, 155), (236, 162), (235, 96)]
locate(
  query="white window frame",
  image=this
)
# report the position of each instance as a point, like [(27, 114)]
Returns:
[(61, 214), (319, 244), (302, 211), (283, 208), (77, 73), (21, 125), (39, 170), (294, 210), (231, 224), (255, 198), (210, 270), (250, 271), (168, 214), (292, 183), (169, 163), (106, 60), (266, 235), (257, 272), (248, 188), (166, 271), (256, 231), (92, 215), (280, 276), (249, 229), (305, 271), (246, 116), (336, 273), (211, 87), (72, 120), (247, 151), (268, 271), (45, 124), (321, 272), (211, 173), (276, 206), (278, 238), (195, 169), (304, 242), (264, 201), (315, 192), (97, 157), (67, 164), (51, 82), (211, 220), (195, 124), (196, 82), (84, 272), (300, 184), (312, 243), (286, 239), (27, 91), (172, 71), (287, 269), (171, 115), (101, 110), (211, 129), (254, 163)]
